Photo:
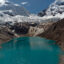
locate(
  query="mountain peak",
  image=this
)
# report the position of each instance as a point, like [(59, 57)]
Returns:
[(56, 9), (12, 9)]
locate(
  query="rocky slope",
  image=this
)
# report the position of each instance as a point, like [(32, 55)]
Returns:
[(5, 34), (19, 29), (8, 32), (55, 32)]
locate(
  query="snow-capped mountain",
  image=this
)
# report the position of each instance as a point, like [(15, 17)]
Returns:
[(56, 9), (11, 12), (9, 8)]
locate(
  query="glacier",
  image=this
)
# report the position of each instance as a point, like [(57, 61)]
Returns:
[(12, 12)]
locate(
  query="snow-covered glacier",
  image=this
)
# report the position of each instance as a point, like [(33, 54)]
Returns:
[(55, 10), (12, 12)]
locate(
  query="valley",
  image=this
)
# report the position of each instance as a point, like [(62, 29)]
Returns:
[(17, 24)]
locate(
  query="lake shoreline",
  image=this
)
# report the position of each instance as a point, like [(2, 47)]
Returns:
[(61, 57)]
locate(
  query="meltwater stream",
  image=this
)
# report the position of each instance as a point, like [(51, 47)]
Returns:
[(29, 50)]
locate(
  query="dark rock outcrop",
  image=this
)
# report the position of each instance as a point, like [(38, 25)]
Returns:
[(42, 13), (20, 28)]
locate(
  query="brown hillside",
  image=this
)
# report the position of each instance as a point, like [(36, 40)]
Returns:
[(55, 32)]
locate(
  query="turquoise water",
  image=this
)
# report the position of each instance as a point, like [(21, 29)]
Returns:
[(29, 50)]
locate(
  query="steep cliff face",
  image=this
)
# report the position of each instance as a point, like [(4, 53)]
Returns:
[(55, 32)]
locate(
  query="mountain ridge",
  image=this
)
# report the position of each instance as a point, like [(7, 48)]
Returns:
[(56, 9), (14, 9)]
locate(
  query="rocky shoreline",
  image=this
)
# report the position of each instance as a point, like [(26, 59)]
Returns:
[(61, 59), (56, 32), (49, 30), (8, 32)]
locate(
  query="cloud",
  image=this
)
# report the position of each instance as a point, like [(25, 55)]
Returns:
[(24, 3), (2, 1), (16, 4)]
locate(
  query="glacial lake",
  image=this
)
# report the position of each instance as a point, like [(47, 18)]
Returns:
[(30, 50)]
